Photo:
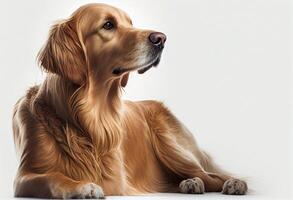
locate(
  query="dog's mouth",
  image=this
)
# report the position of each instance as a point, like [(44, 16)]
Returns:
[(140, 69), (153, 63)]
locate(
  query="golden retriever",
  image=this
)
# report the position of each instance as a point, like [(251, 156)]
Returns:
[(76, 138)]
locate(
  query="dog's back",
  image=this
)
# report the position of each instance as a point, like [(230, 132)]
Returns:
[(22, 115)]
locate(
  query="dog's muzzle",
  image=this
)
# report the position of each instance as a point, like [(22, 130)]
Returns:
[(157, 41)]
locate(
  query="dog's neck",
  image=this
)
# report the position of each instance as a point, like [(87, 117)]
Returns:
[(57, 93), (99, 111), (95, 107)]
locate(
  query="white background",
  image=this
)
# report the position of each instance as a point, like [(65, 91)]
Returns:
[(225, 72)]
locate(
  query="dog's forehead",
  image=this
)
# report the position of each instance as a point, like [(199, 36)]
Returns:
[(101, 11)]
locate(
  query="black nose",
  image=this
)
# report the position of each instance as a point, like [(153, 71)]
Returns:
[(157, 39)]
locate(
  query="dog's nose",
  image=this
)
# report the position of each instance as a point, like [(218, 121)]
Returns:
[(157, 39)]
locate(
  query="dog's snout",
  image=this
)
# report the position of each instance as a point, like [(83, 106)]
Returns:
[(157, 39)]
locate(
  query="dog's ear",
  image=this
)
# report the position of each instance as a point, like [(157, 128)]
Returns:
[(63, 53)]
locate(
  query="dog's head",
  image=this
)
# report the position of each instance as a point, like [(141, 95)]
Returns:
[(99, 42)]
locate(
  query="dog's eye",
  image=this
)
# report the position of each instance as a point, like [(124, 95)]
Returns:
[(108, 25)]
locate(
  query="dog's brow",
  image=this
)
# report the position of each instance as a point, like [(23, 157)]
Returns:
[(111, 18)]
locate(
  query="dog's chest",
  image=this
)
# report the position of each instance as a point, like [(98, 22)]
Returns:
[(82, 160)]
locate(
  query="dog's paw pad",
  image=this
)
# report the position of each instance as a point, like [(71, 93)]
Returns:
[(234, 187), (89, 191), (192, 186)]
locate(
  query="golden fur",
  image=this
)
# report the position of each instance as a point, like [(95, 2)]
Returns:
[(74, 135)]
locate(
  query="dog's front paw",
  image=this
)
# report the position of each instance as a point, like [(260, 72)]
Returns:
[(234, 187), (192, 186), (87, 191)]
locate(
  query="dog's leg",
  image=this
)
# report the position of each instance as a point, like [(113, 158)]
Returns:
[(176, 148), (185, 165), (54, 185), (195, 178)]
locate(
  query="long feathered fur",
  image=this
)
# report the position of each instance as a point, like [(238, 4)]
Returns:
[(74, 132)]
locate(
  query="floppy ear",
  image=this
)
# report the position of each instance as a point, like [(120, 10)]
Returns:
[(63, 53)]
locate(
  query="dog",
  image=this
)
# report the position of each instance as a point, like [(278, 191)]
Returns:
[(76, 137)]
